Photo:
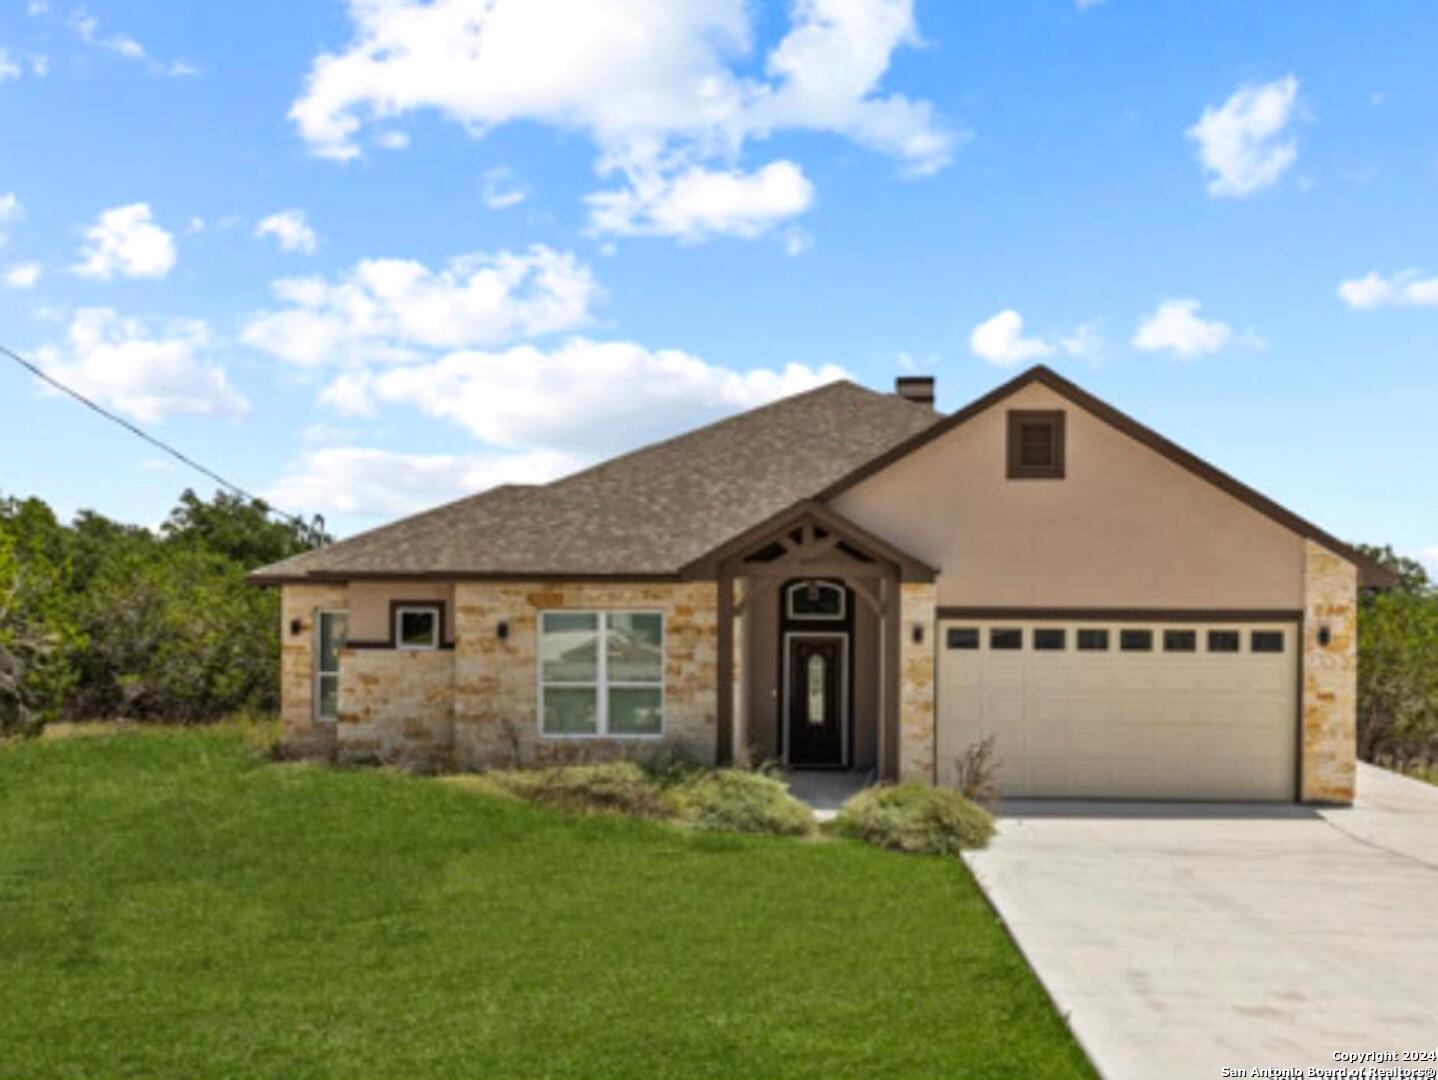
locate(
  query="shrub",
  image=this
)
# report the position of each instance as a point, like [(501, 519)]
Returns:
[(978, 773), (915, 817), (619, 787), (737, 801)]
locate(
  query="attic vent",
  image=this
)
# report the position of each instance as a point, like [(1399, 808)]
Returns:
[(916, 388), (1036, 444)]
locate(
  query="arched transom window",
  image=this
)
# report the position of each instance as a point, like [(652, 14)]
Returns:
[(815, 600)]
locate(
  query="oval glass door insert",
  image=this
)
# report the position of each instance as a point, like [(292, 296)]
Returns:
[(816, 689)]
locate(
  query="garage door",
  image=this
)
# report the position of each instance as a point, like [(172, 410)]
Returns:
[(1123, 710)]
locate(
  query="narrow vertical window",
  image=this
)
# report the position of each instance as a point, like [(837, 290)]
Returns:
[(330, 630)]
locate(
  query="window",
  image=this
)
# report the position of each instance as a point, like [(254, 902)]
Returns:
[(1266, 641), (1180, 640), (1135, 640), (1050, 640), (1006, 639), (417, 627), (963, 637), (1036, 444), (330, 629), (601, 673), (1223, 641), (815, 600), (1093, 640)]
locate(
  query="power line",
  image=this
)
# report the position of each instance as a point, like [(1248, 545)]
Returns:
[(317, 524)]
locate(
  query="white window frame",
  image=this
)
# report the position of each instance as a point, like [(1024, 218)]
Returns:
[(790, 592), (433, 610), (320, 673), (602, 685)]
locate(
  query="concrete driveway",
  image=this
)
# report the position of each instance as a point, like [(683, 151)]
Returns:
[(1180, 939)]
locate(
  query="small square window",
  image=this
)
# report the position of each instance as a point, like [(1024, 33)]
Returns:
[(963, 637), (1266, 641), (1225, 641), (1036, 444), (1135, 640), (416, 627), (1047, 639), (1093, 640), (1006, 638), (1180, 640)]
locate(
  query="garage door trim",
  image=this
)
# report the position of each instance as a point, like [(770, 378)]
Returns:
[(1296, 617)]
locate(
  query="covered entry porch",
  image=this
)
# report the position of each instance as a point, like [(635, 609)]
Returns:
[(825, 651)]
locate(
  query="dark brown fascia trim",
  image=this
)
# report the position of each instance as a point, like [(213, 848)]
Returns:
[(910, 568), (1099, 614), (1370, 573), (1017, 419)]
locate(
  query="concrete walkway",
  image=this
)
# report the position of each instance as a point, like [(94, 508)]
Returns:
[(825, 790), (1180, 939)]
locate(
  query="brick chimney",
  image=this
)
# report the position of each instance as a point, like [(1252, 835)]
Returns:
[(916, 388)]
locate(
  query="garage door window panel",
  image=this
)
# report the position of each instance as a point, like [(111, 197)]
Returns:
[(1266, 641), (1135, 640), (1180, 641), (1224, 641), (1006, 639)]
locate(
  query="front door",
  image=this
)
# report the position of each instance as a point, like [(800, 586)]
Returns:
[(817, 683)]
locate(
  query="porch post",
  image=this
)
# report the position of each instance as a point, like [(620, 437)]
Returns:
[(724, 706)]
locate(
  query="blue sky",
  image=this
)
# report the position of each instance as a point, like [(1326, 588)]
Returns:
[(366, 257)]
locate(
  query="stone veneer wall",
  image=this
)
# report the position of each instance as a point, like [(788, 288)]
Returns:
[(302, 736), (916, 681), (396, 706), (496, 681), (1330, 677)]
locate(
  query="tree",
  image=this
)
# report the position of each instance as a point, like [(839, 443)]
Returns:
[(243, 530), (1398, 666)]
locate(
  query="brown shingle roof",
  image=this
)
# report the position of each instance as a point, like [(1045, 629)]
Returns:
[(648, 512)]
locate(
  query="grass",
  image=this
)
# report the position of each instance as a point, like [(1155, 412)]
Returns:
[(172, 906)]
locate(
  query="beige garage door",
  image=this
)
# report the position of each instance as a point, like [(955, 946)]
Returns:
[(1123, 710)]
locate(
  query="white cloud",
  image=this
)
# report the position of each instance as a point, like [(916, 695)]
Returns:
[(391, 140), (699, 202), (384, 310), (797, 241), (1429, 557), (1084, 5), (583, 395), (1175, 326), (1241, 143), (1405, 289), (500, 191), (22, 275), (9, 67), (126, 241), (1000, 340), (291, 231), (87, 28), (663, 89), (10, 212), (363, 481), (37, 7), (143, 374)]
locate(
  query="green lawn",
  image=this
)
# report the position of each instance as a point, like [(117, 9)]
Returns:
[(171, 906)]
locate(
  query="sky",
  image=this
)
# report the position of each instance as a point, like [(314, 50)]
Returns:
[(363, 257)]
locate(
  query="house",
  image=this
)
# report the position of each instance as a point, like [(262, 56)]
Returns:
[(848, 579)]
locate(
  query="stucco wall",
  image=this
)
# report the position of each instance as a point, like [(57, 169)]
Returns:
[(369, 605), (302, 735), (396, 705), (496, 680), (1330, 677), (1125, 528)]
